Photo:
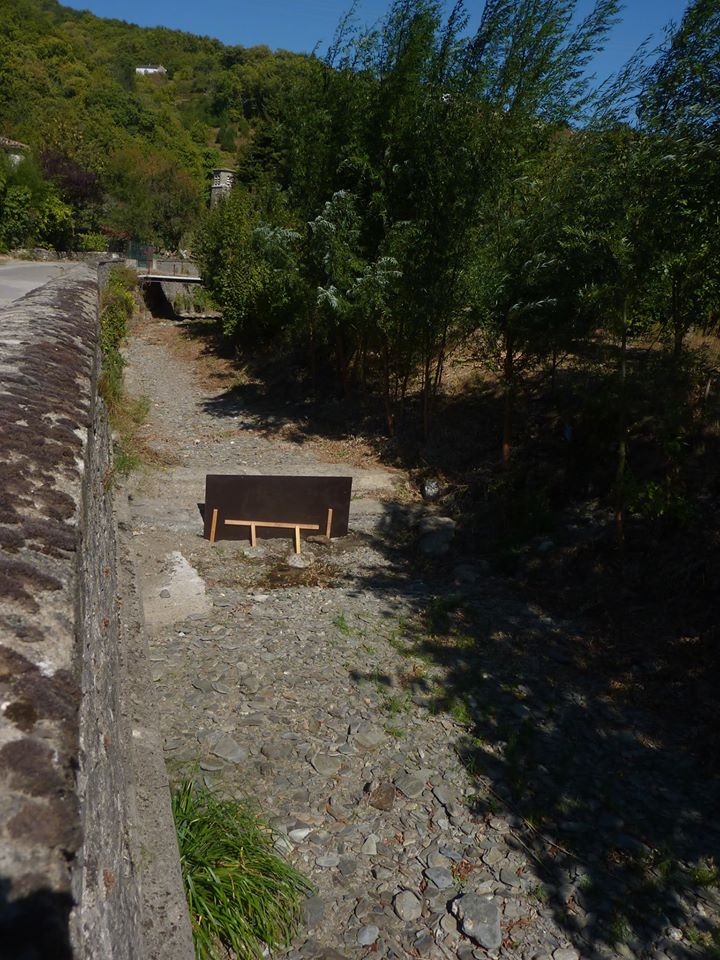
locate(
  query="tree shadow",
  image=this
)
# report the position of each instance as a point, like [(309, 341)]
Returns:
[(36, 926), (545, 669), (618, 825)]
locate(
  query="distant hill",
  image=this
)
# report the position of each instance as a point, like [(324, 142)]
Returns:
[(129, 154)]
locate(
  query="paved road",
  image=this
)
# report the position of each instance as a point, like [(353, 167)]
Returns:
[(18, 277)]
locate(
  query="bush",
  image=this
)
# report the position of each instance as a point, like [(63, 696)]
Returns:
[(90, 242), (242, 896), (116, 309)]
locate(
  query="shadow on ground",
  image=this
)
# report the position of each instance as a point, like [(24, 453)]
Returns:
[(620, 824), (36, 926)]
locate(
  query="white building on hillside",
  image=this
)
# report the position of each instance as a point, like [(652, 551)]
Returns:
[(149, 68)]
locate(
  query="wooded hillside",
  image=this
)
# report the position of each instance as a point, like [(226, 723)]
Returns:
[(114, 151)]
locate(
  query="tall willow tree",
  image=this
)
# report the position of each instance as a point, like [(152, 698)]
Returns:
[(422, 153), (532, 62)]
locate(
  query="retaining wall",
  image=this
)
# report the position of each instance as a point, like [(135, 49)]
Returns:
[(70, 879)]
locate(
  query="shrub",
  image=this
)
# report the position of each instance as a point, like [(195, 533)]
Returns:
[(116, 309)]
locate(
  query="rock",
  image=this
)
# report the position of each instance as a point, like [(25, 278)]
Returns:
[(165, 594), (212, 766), (348, 866), (451, 853), (424, 943), (299, 833), (565, 953), (545, 547), (299, 561), (277, 750), (440, 877), (320, 538), (328, 860), (436, 535), (326, 765), (479, 920), (368, 737), (407, 906), (448, 924), (369, 848), (383, 797), (430, 489), (313, 911), (469, 574), (410, 785), (368, 934), (230, 750), (438, 860)]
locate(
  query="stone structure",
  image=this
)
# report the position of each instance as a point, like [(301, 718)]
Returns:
[(70, 873), (15, 150), (223, 179)]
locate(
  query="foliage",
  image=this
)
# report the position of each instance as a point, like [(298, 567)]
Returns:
[(242, 896), (116, 310)]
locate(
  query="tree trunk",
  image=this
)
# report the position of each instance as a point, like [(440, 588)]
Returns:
[(426, 395), (388, 400), (342, 364), (678, 329), (509, 387), (622, 437)]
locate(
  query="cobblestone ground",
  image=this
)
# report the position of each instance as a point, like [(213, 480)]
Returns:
[(453, 780)]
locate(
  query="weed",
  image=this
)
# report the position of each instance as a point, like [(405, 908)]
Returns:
[(398, 642), (342, 625), (438, 614), (241, 895), (541, 894), (395, 705), (460, 712), (620, 929), (706, 874), (394, 731)]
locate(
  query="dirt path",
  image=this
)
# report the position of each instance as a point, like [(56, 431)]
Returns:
[(434, 758)]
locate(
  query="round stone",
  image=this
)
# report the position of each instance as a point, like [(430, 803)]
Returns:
[(368, 934), (407, 906)]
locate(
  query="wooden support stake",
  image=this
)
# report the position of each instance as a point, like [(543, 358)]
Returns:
[(253, 538), (297, 539), (328, 528), (213, 525)]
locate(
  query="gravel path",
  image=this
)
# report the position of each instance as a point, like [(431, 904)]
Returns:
[(433, 759)]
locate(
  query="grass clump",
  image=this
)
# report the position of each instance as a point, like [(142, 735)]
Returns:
[(117, 305), (341, 624), (241, 895)]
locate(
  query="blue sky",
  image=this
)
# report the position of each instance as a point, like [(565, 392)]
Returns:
[(300, 24)]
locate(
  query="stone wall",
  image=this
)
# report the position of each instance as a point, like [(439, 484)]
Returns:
[(70, 878)]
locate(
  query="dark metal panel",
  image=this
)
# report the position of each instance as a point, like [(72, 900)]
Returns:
[(278, 499)]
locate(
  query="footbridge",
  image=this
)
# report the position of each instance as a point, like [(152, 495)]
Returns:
[(170, 271)]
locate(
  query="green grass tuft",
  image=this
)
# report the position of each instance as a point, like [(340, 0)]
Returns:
[(241, 895), (341, 624)]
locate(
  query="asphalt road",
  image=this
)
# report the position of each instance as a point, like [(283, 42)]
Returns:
[(18, 277)]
